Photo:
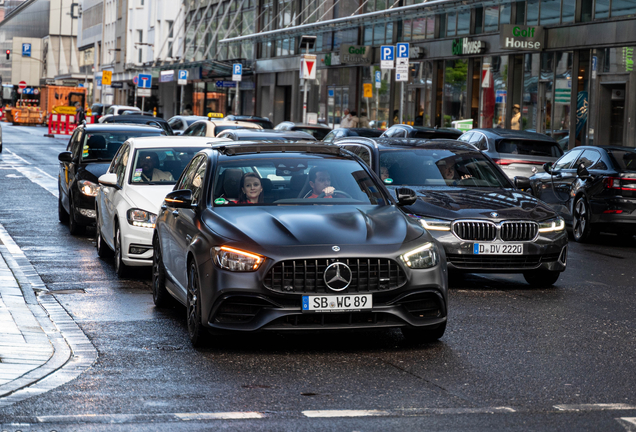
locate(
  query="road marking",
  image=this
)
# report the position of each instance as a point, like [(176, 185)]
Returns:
[(595, 407), (629, 423), (220, 416), (345, 413), (35, 174), (405, 412)]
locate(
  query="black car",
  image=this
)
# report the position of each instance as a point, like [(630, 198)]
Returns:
[(87, 156), (319, 131), (407, 131), (265, 135), (593, 188), (349, 132), (469, 205), (140, 119), (264, 122), (297, 258)]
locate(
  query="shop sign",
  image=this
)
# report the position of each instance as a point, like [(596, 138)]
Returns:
[(515, 37), (117, 85), (332, 59), (462, 125), (467, 47), (356, 54), (166, 76)]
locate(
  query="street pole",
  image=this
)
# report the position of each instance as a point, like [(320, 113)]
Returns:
[(401, 101), (181, 102), (305, 91), (237, 107)]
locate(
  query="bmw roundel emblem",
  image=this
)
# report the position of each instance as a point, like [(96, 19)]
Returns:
[(494, 214), (335, 248)]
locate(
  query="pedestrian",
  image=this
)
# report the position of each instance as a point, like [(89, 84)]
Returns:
[(396, 116), (187, 111), (354, 119), (515, 122), (80, 116), (346, 119), (363, 121)]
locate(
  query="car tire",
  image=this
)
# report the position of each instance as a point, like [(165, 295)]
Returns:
[(423, 335), (73, 226), (541, 278), (582, 230), (160, 295), (120, 268), (62, 214), (102, 248), (198, 334)]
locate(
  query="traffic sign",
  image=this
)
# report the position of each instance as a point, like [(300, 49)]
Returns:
[(22, 85), (378, 79), (26, 50), (331, 92), (225, 84), (403, 50), (107, 77), (387, 56), (182, 77), (367, 90), (145, 81), (135, 80), (308, 66), (143, 92), (237, 72)]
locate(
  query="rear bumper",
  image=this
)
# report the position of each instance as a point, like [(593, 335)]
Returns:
[(616, 214)]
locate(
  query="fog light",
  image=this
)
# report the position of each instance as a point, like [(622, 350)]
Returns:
[(137, 250), (87, 213)]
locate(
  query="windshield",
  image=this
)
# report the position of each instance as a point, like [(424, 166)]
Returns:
[(440, 167), (530, 148), (294, 180), (160, 165), (102, 146)]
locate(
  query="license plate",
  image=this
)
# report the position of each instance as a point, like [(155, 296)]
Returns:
[(337, 303), (497, 249)]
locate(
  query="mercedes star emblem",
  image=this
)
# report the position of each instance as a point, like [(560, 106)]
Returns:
[(336, 248), (337, 276), (494, 214)]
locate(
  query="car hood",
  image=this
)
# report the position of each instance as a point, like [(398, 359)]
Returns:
[(92, 171), (313, 225), (477, 203), (147, 197)]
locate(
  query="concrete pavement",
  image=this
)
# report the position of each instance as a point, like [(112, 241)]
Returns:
[(41, 347)]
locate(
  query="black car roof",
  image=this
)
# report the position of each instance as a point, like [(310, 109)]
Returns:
[(388, 142), (508, 133), (138, 117), (264, 132), (120, 127), (253, 147)]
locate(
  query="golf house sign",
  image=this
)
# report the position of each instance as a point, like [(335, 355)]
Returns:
[(521, 37)]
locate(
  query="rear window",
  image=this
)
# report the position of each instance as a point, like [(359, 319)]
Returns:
[(625, 160), (102, 146), (530, 148)]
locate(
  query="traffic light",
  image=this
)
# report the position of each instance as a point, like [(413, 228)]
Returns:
[(8, 54)]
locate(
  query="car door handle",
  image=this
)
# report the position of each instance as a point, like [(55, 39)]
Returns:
[(188, 238), (175, 212), (558, 175)]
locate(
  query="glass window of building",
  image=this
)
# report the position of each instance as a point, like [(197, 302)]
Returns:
[(430, 27), (491, 19), (567, 12), (494, 90), (479, 20), (623, 7), (550, 12), (451, 24), (419, 29), (532, 12), (455, 85), (602, 9), (560, 122), (504, 13), (586, 10), (520, 12), (463, 22), (530, 110), (376, 108)]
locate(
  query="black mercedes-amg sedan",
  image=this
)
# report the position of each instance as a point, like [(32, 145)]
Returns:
[(485, 223), (295, 236)]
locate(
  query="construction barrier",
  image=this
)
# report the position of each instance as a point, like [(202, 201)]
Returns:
[(63, 124)]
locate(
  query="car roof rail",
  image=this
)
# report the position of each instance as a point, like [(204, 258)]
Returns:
[(246, 147), (357, 140)]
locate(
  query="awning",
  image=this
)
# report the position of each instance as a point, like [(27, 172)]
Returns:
[(205, 69)]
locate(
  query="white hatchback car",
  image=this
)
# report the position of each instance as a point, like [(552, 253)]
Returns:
[(142, 172)]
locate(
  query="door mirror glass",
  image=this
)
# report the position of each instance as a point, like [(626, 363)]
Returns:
[(547, 167), (179, 199), (65, 156), (406, 196), (582, 172), (522, 183)]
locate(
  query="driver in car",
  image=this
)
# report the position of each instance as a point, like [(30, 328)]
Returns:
[(320, 182), (449, 172)]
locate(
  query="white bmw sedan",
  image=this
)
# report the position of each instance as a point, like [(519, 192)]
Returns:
[(142, 172)]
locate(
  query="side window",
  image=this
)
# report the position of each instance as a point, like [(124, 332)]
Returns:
[(588, 158), (351, 148), (401, 133), (390, 132), (123, 163), (197, 182), (479, 141), (330, 137), (186, 178), (364, 154), (176, 124), (566, 160), (75, 143), (116, 160), (466, 137), (191, 130)]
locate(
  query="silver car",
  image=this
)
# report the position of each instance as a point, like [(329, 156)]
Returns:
[(518, 153)]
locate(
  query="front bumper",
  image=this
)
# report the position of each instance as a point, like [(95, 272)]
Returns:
[(135, 239), (241, 301)]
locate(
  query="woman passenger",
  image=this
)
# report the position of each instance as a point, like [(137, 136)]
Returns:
[(251, 189)]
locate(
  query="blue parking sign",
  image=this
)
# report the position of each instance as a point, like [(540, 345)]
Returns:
[(238, 69), (26, 50), (183, 75), (387, 52), (403, 50)]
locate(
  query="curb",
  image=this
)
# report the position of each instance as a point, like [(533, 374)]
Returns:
[(72, 351)]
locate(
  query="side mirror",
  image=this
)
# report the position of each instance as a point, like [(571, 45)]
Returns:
[(179, 199), (405, 196), (582, 172), (109, 179), (177, 132), (65, 156), (522, 183), (547, 167)]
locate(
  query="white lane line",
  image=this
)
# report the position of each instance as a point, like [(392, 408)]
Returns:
[(595, 407), (345, 413), (220, 416), (629, 423), (36, 175)]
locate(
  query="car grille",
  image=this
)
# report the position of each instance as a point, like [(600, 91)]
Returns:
[(475, 230), (306, 276), (518, 231), (336, 320), (240, 309), (499, 261)]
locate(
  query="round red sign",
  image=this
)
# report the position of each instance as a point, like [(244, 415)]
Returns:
[(22, 84)]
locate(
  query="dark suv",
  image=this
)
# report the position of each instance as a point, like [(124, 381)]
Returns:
[(485, 223), (87, 156)]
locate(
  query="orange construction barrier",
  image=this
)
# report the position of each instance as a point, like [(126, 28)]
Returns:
[(63, 124)]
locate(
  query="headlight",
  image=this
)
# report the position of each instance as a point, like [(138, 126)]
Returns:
[(236, 260), (436, 224), (556, 224), (423, 257), (88, 187), (141, 218)]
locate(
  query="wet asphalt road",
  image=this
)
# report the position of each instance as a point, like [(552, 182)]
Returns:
[(506, 345)]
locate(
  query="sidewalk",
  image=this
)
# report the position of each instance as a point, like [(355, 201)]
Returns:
[(41, 347)]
